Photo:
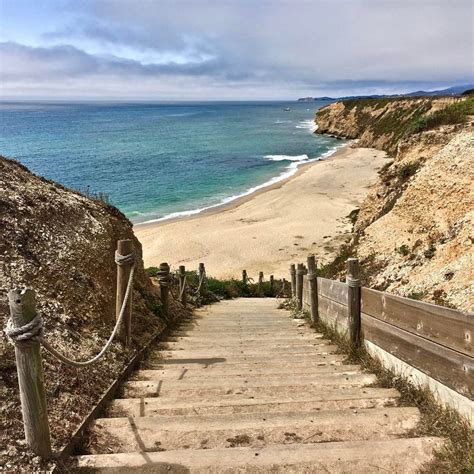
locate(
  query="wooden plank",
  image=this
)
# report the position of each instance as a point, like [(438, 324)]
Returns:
[(449, 367), (451, 328), (333, 313), (333, 289)]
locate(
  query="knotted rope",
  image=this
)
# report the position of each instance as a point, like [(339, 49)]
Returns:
[(33, 331), (201, 280)]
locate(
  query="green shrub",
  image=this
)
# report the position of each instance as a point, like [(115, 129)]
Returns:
[(403, 250), (152, 271), (452, 114)]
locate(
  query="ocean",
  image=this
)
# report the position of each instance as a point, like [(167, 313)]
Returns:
[(162, 160)]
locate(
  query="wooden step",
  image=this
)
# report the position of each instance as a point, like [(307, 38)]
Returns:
[(356, 457), (155, 433), (226, 372), (149, 388), (322, 399)]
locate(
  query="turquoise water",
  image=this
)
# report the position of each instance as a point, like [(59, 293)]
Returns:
[(156, 161)]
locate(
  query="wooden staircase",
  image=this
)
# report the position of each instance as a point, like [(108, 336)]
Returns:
[(244, 388)]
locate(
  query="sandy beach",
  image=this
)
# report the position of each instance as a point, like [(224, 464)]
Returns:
[(307, 213)]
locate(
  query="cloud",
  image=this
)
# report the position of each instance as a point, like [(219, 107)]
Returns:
[(260, 49)]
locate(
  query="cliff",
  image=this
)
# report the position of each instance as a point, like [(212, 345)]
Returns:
[(61, 244), (414, 231)]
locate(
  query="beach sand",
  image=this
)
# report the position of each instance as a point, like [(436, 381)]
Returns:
[(266, 231)]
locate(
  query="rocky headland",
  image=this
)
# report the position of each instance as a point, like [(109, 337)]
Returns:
[(414, 232)]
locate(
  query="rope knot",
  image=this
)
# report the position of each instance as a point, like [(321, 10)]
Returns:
[(124, 259), (32, 331), (312, 276)]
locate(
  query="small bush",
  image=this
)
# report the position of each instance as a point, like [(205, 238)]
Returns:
[(407, 170), (152, 271), (452, 114), (403, 250), (430, 251), (416, 295)]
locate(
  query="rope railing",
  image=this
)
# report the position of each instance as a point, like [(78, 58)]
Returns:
[(34, 330), (25, 330)]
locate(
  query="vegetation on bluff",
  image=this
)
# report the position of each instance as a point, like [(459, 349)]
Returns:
[(386, 121)]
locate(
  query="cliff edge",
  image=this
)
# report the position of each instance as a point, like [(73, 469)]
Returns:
[(414, 232), (61, 244)]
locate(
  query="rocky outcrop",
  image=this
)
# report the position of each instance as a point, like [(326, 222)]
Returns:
[(61, 244), (414, 232)]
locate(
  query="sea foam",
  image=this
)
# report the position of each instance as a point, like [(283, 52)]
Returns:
[(308, 125), (286, 157), (289, 171)]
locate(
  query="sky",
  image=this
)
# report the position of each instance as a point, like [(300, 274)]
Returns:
[(232, 49)]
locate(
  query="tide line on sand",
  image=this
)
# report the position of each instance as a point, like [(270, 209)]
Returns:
[(289, 171)]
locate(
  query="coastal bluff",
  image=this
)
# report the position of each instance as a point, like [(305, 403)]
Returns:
[(61, 243), (413, 232)]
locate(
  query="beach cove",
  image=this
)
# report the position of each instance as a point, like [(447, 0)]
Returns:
[(306, 213)]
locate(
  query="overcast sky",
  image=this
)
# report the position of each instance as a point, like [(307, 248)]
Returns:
[(232, 49)]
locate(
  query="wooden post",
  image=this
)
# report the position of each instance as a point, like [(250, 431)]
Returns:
[(202, 272), (260, 285), (293, 280), (164, 277), (124, 247), (353, 300), (299, 285), (182, 281), (244, 277), (272, 285), (30, 376), (283, 287), (313, 288)]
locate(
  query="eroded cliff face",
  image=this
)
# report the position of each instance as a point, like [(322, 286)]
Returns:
[(61, 244), (414, 233)]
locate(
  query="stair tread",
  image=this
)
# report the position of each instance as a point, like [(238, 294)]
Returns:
[(212, 431)]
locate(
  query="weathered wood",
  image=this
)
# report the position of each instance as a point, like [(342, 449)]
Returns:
[(333, 313), (283, 287), (202, 274), (293, 280), (164, 277), (333, 289), (449, 327), (272, 285), (449, 367), (244, 277), (313, 289), (353, 300), (124, 247), (260, 284), (30, 376), (182, 284), (299, 285)]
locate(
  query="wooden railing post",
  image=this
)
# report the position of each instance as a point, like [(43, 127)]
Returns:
[(202, 274), (260, 285), (124, 247), (299, 285), (244, 277), (353, 300), (313, 288), (272, 285), (182, 283), (30, 376), (293, 280), (164, 277), (283, 287)]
